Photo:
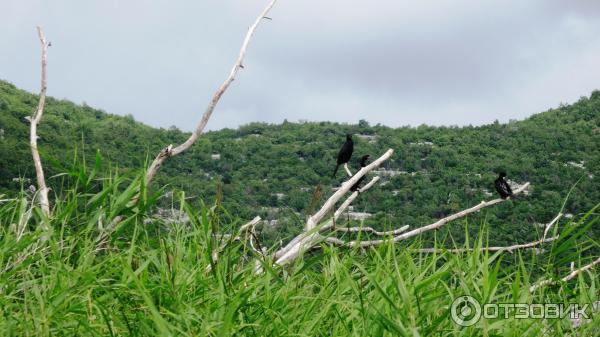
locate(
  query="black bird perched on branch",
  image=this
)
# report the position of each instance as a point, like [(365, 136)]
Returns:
[(363, 163), (502, 186), (345, 153)]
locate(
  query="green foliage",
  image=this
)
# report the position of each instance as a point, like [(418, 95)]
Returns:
[(153, 279), (272, 170)]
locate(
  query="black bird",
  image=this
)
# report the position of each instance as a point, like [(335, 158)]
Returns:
[(363, 163), (502, 186), (345, 153)]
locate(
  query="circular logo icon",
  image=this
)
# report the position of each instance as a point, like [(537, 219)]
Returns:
[(465, 310)]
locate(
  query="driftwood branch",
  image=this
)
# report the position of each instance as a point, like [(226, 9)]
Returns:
[(34, 120), (315, 232), (171, 151), (351, 198), (313, 237)]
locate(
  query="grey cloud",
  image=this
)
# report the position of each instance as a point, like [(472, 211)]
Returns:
[(390, 62)]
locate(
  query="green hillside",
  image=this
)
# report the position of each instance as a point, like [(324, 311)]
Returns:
[(272, 170), (197, 275)]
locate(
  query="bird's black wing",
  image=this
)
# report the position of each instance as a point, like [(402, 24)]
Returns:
[(508, 189), (356, 185), (502, 188), (345, 152)]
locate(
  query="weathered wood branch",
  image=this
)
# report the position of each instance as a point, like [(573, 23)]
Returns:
[(347, 170), (550, 224), (372, 230), (311, 237), (330, 203), (171, 151), (328, 225), (566, 278), (351, 198), (436, 224), (509, 249), (35, 119)]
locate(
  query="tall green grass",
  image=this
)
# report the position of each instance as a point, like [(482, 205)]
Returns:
[(153, 279)]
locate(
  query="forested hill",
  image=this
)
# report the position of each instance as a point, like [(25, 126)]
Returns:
[(266, 169)]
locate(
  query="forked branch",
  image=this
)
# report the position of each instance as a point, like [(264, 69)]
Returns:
[(314, 226), (171, 151), (330, 203), (315, 231), (435, 225)]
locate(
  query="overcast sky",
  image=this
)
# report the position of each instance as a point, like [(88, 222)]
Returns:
[(395, 62)]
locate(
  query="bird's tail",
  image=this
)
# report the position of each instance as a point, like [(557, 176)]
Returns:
[(335, 171)]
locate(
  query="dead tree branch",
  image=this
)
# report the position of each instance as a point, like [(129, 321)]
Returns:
[(330, 203), (347, 170), (245, 230), (436, 224), (550, 224), (568, 277), (314, 233), (509, 249), (313, 229), (35, 119), (372, 230), (171, 151)]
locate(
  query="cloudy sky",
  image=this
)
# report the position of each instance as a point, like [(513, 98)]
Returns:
[(395, 62)]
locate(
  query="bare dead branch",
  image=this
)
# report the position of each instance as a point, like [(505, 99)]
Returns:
[(250, 225), (301, 240), (372, 230), (330, 203), (351, 198), (347, 170), (436, 224), (170, 151), (550, 224), (509, 249), (246, 230), (310, 238), (35, 119), (567, 278)]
